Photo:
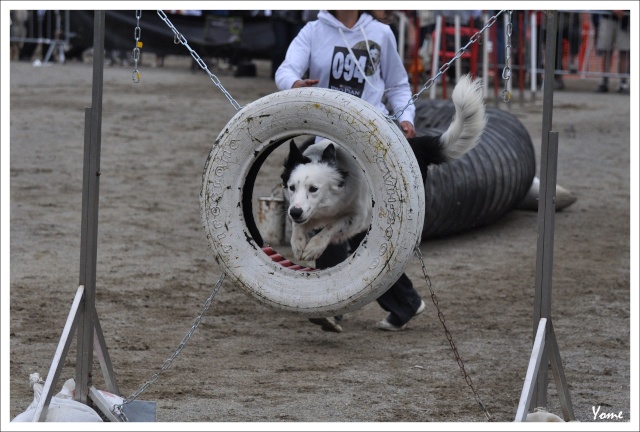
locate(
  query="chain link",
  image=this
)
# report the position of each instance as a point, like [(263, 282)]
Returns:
[(506, 72), (434, 299), (445, 67), (179, 38), (136, 50), (117, 409)]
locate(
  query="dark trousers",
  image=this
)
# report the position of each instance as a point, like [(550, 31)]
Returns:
[(401, 300)]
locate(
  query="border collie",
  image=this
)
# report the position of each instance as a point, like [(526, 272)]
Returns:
[(329, 200)]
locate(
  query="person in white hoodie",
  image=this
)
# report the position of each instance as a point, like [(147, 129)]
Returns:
[(353, 52)]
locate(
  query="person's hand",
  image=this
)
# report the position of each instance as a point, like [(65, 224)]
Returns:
[(407, 129), (305, 83)]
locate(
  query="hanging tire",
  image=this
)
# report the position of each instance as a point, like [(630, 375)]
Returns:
[(389, 167)]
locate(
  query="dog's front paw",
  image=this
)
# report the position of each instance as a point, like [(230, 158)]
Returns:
[(298, 243), (315, 248)]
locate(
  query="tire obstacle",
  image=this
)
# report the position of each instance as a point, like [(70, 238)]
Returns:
[(389, 167), (392, 175)]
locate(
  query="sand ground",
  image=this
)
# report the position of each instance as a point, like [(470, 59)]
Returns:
[(246, 363)]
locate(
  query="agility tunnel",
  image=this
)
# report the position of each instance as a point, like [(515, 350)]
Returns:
[(484, 184)]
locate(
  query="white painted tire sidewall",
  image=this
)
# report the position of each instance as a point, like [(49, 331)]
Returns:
[(391, 172)]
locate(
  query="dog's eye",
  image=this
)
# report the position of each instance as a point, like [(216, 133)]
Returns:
[(313, 189), (292, 188)]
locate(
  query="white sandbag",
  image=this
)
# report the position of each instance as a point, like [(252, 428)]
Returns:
[(542, 415), (564, 197), (62, 408)]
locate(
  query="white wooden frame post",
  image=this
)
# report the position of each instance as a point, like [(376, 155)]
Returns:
[(545, 350)]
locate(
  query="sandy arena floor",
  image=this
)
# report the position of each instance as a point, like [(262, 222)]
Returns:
[(246, 363)]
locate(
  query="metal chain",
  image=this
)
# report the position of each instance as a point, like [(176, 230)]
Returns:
[(136, 49), (117, 409), (434, 299), (506, 72), (445, 67), (179, 38)]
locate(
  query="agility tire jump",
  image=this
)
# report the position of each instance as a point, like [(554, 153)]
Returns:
[(390, 169), (484, 184)]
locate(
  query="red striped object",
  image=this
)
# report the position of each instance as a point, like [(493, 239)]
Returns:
[(275, 256)]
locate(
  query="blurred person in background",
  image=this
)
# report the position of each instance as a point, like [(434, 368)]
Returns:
[(613, 34)]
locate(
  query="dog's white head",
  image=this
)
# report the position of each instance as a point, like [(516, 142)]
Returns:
[(313, 186), (374, 52)]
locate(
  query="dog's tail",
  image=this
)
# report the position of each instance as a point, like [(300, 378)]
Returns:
[(468, 121), (463, 133)]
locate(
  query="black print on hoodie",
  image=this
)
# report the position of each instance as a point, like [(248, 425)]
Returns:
[(345, 74)]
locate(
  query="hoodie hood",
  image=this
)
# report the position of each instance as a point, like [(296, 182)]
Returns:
[(326, 18)]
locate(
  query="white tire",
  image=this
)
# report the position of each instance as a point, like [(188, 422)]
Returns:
[(391, 171)]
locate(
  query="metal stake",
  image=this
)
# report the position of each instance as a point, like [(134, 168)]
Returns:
[(535, 389), (82, 316)]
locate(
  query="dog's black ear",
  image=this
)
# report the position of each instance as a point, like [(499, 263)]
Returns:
[(294, 159), (329, 155), (294, 151)]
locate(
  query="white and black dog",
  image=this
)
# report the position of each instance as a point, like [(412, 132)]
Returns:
[(329, 200)]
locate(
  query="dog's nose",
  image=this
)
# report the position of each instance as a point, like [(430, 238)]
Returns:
[(295, 213)]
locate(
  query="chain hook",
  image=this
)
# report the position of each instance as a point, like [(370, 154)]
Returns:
[(506, 72), (136, 49)]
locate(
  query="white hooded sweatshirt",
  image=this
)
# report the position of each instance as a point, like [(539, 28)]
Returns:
[(327, 48)]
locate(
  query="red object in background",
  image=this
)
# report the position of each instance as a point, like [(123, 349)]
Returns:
[(447, 50)]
